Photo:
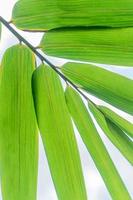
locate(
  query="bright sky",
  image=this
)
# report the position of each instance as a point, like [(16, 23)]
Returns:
[(94, 184)]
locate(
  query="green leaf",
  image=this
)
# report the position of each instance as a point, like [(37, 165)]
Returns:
[(18, 126), (95, 146), (118, 120), (45, 15), (103, 45), (106, 85), (58, 135), (114, 133)]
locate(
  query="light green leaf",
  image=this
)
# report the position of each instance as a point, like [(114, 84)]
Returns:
[(58, 135), (114, 133), (118, 120), (103, 45), (106, 85), (95, 146), (46, 14), (18, 126)]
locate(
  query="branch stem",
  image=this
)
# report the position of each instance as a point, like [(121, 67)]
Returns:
[(41, 57)]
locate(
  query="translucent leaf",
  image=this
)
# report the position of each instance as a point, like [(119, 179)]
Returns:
[(99, 45), (118, 120), (45, 15), (18, 126), (95, 146), (58, 135), (106, 85), (114, 133)]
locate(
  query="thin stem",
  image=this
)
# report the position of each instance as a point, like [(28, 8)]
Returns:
[(42, 58)]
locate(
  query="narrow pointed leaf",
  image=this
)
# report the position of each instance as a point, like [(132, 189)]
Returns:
[(95, 146), (114, 133), (106, 85), (118, 120), (99, 45), (44, 15), (57, 135), (18, 127)]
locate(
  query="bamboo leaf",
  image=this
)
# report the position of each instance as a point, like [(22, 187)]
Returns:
[(106, 85), (18, 127), (45, 15), (114, 133), (118, 120), (95, 146), (103, 45), (58, 135)]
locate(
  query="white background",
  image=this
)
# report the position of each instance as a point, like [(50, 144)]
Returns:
[(95, 187)]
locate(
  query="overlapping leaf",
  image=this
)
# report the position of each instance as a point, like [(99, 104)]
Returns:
[(118, 120), (114, 133), (110, 87), (57, 135), (95, 146), (18, 127), (99, 45), (44, 15)]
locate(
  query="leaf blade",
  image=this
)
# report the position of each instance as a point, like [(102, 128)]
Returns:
[(95, 145), (98, 45), (18, 127), (118, 120), (114, 133), (45, 15), (57, 134), (104, 84)]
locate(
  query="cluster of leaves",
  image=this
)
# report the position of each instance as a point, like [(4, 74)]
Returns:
[(81, 30)]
